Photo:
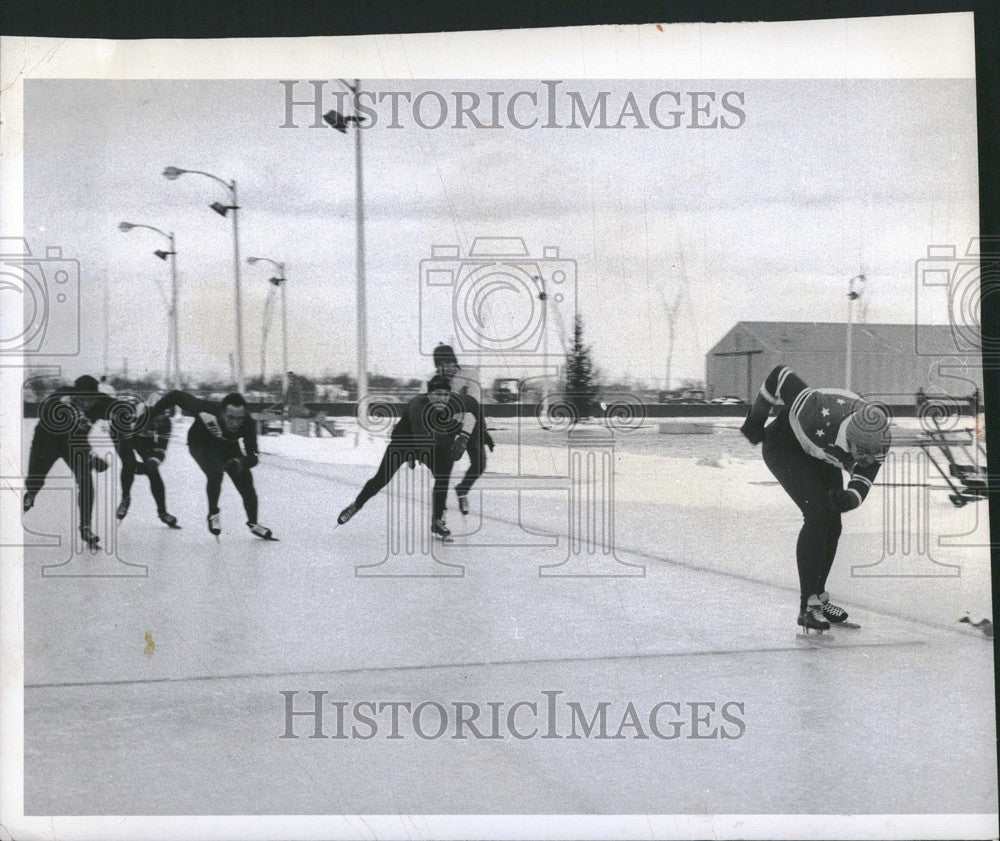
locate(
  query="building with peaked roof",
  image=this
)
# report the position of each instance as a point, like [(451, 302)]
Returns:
[(888, 361)]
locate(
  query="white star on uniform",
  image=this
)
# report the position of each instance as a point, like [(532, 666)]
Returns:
[(841, 401), (826, 413), (820, 433)]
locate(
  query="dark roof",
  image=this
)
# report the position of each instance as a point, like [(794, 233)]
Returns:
[(830, 337)]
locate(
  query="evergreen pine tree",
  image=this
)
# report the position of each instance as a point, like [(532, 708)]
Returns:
[(581, 381)]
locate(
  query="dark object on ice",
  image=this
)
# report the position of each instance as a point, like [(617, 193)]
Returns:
[(984, 625)]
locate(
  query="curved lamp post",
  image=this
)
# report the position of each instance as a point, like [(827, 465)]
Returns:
[(172, 173), (340, 122), (279, 282), (173, 351), (853, 293)]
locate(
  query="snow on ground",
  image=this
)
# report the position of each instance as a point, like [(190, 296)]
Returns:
[(160, 693)]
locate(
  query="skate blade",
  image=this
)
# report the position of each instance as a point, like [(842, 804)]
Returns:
[(444, 539), (853, 626)]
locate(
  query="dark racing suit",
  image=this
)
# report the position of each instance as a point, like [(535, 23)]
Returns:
[(807, 451), (220, 454)]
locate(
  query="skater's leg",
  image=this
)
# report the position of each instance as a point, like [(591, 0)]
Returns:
[(45, 451), (832, 538), (807, 481), (157, 487), (79, 462), (392, 460), (243, 480), (477, 465), (126, 454), (441, 465), (211, 464)]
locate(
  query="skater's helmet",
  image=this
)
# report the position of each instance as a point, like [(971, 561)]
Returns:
[(868, 435), (443, 355)]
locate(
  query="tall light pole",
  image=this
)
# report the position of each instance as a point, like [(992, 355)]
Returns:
[(278, 282), (172, 173), (173, 347), (340, 122), (852, 295)]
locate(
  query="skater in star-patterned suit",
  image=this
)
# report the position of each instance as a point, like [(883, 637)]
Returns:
[(819, 432)]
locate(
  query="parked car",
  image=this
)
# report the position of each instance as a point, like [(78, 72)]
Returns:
[(729, 400), (505, 390)]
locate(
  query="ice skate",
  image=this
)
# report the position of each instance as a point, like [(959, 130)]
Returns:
[(985, 626), (440, 530), (261, 532), (834, 614), (168, 519), (347, 513), (123, 507), (463, 504), (812, 620), (90, 540), (215, 523)]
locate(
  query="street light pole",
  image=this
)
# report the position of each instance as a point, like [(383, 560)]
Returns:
[(852, 296), (173, 358), (341, 122), (278, 281), (284, 338), (239, 295), (172, 173), (175, 314), (360, 256)]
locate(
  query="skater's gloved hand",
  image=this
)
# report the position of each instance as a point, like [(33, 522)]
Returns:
[(211, 423), (152, 461), (411, 461), (458, 447), (844, 500), (251, 461), (488, 440), (140, 468), (98, 464), (754, 433), (235, 464)]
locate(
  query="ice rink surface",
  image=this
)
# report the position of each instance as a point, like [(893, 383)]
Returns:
[(154, 670)]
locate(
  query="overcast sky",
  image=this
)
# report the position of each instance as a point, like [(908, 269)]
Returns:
[(767, 221)]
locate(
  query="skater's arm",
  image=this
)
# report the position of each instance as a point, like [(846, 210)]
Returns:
[(780, 388), (860, 484), (188, 403), (161, 438), (250, 439)]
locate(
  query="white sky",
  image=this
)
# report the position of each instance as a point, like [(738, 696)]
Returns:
[(766, 222)]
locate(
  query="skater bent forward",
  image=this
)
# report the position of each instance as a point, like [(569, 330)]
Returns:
[(214, 443), (819, 432), (432, 430)]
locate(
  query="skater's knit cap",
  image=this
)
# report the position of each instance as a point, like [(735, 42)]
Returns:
[(444, 354), (85, 385), (868, 429)]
